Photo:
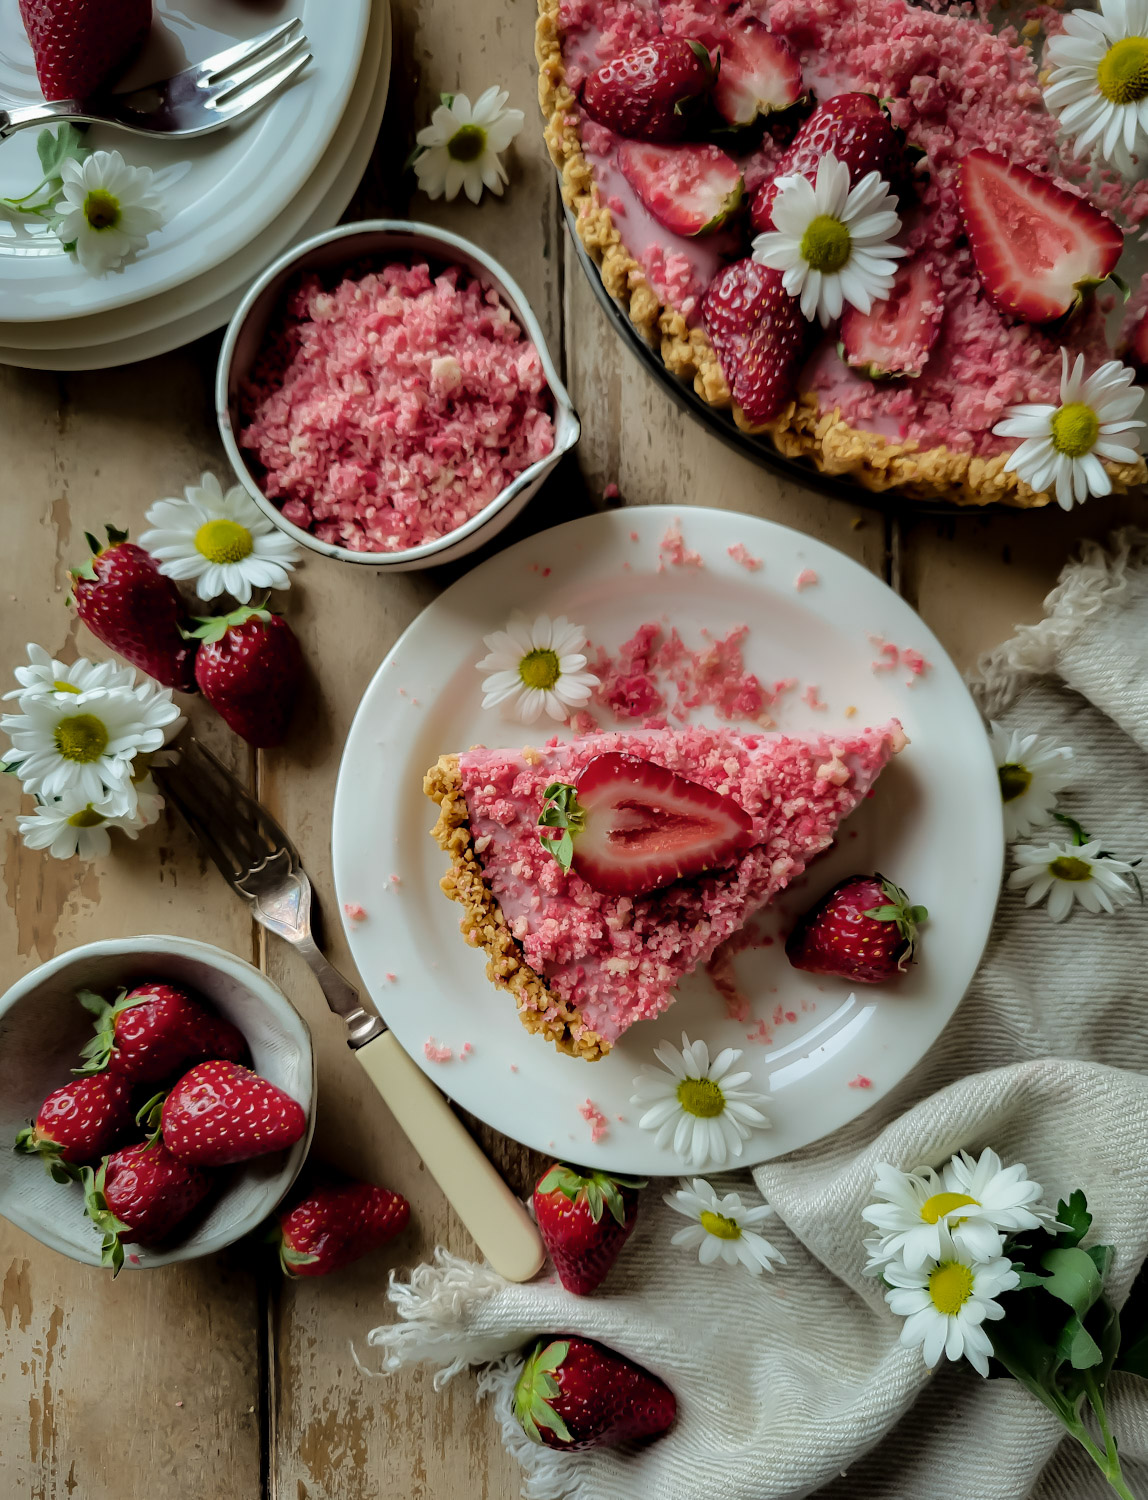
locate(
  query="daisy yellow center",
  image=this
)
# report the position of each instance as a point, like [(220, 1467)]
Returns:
[(87, 817), (59, 686), (540, 669), (467, 143), (1015, 781), (719, 1226), (1074, 429), (1068, 867), (940, 1204), (1122, 74), (101, 210), (701, 1097), (950, 1287), (224, 541), (81, 738), (826, 244)]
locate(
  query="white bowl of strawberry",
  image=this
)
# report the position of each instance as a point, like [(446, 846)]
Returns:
[(158, 1097)]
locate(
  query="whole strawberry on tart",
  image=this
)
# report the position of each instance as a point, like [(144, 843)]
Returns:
[(598, 872), (862, 226)]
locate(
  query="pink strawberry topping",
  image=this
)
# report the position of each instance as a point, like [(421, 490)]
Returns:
[(618, 957)]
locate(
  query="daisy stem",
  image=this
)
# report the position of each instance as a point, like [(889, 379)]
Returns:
[(1107, 1462)]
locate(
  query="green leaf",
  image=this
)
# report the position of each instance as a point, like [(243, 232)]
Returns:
[(536, 1388), (1133, 1355), (1073, 1278), (562, 810), (1078, 834), (1074, 1218)]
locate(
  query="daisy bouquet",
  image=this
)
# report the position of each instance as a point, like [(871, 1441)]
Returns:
[(83, 744), (979, 1268)]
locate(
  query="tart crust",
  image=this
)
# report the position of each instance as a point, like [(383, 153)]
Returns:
[(802, 430), (484, 926)]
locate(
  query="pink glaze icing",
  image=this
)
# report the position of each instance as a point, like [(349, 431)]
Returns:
[(951, 82), (618, 958)]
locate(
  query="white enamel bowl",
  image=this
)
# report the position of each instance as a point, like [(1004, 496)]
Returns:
[(384, 240), (43, 1027)]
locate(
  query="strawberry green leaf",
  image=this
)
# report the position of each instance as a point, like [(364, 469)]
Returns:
[(536, 1388), (214, 627), (96, 1208), (562, 810), (150, 1116)]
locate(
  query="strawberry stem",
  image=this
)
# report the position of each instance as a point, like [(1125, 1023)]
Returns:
[(536, 1388)]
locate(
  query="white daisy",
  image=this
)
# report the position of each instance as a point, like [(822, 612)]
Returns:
[(1098, 83), (1069, 872), (81, 748), (724, 1229), (107, 210), (47, 675), (832, 241), (66, 830), (460, 147), (1064, 444), (1031, 772), (945, 1301), (700, 1109), (536, 667), (974, 1202)]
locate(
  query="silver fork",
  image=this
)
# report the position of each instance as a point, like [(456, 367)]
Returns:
[(262, 865), (197, 101)]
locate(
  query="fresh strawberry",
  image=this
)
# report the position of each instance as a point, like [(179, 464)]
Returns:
[(1134, 334), (689, 189), (629, 826), (140, 1194), (897, 335), (575, 1393), (857, 131), (760, 336), (219, 1113), (336, 1224), (154, 1031), (647, 93), (126, 602), (864, 931), (80, 45), (584, 1241), (78, 1123), (1036, 247), (758, 74), (249, 669)]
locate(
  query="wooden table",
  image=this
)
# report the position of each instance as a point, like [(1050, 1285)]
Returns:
[(217, 1379)]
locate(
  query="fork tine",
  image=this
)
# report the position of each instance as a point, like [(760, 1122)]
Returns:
[(258, 69), (213, 68), (243, 100), (237, 831)]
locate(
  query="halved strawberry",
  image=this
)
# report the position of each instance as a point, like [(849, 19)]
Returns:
[(647, 93), (1036, 247), (759, 74), (1133, 348), (896, 336), (689, 189), (629, 826), (759, 334)]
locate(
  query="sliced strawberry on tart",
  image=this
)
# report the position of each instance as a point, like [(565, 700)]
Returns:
[(597, 873)]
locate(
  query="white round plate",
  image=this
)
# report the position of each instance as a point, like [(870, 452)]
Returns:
[(220, 192), (200, 306), (933, 824)]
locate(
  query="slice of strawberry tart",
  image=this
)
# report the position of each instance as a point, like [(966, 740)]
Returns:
[(598, 872)]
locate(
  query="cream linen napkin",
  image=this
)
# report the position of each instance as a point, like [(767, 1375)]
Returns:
[(796, 1383)]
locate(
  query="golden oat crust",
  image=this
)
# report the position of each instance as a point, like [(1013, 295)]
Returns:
[(802, 430), (484, 926)]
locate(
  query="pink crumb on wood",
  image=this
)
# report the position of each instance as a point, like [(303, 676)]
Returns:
[(805, 579), (860, 1082), (611, 492), (741, 554), (355, 912), (674, 550), (599, 1125), (434, 1053)]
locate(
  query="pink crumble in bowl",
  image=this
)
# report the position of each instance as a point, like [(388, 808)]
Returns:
[(385, 395)]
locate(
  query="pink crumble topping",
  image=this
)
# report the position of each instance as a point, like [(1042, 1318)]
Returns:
[(812, 696), (890, 657), (389, 410), (355, 912), (805, 579), (860, 1082), (618, 958), (393, 978), (761, 1033), (637, 682), (434, 1053), (674, 551), (740, 554), (396, 880), (633, 536), (599, 1125), (611, 492), (466, 1051)]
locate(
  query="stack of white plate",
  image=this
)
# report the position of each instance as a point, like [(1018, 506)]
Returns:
[(234, 201)]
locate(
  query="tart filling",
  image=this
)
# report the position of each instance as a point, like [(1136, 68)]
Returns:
[(582, 965)]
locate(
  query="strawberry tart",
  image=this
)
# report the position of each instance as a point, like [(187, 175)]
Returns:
[(882, 233), (597, 873)]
